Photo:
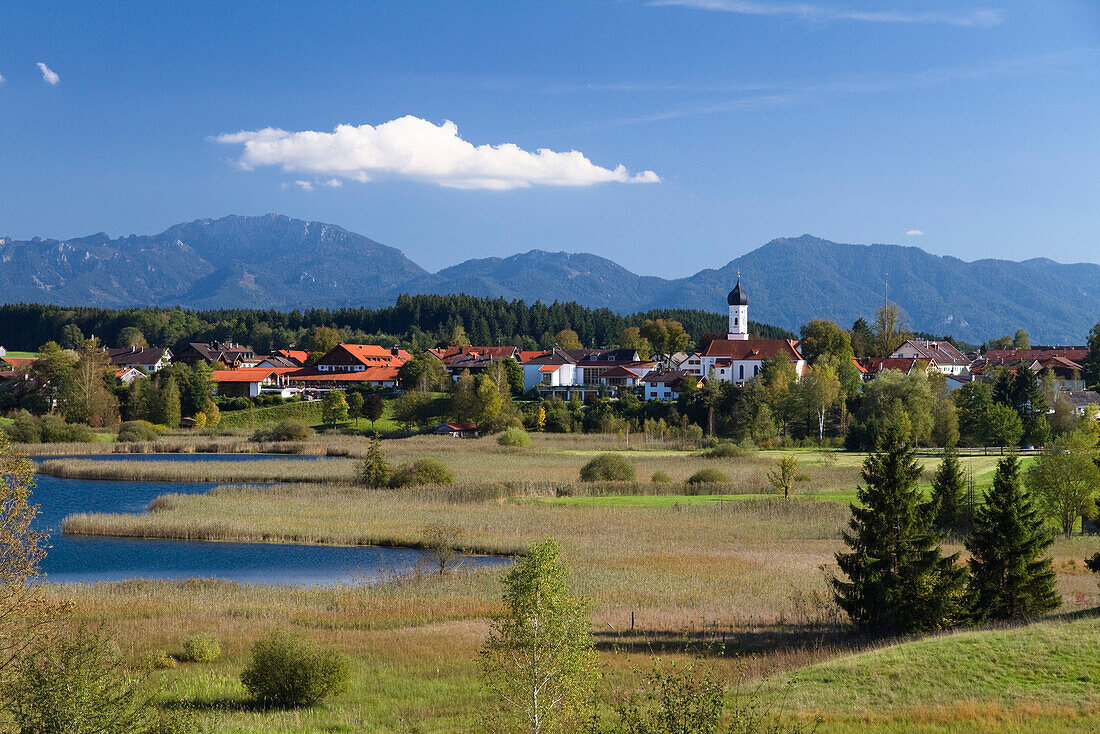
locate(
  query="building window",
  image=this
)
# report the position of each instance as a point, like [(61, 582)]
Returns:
[(741, 372), (755, 370)]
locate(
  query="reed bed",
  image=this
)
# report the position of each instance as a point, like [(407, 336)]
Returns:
[(261, 470)]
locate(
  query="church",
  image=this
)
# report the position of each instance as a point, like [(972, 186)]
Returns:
[(739, 358)]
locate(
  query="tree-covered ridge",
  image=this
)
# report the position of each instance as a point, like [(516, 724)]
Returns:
[(414, 320)]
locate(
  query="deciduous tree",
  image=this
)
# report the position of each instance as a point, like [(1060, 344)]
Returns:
[(539, 662), (1065, 479)]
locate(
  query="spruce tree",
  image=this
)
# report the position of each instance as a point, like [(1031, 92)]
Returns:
[(374, 470), (898, 580), (948, 495), (1009, 578)]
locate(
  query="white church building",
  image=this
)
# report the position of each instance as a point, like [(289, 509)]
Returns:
[(738, 358)]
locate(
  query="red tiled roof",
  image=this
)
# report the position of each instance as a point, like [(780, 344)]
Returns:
[(1075, 354), (529, 354), (380, 373), (549, 368), (747, 349), (246, 374), (298, 355), (20, 363)]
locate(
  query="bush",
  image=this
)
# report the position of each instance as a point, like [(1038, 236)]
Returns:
[(424, 471), (159, 660), (709, 475), (288, 430), (661, 477), (607, 468), (516, 437), (56, 430), (725, 451), (287, 671), (47, 429), (202, 648), (132, 431)]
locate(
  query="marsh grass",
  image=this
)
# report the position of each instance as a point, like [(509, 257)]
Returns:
[(737, 577)]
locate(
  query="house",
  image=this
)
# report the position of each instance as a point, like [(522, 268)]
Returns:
[(370, 376), (3, 352), (692, 365), (359, 357), (215, 353), (946, 358), (872, 366), (1067, 373), (127, 375), (577, 373), (148, 359), (739, 358), (248, 382), (1083, 399), (1076, 354), (553, 369), (667, 385), (285, 358), (456, 430)]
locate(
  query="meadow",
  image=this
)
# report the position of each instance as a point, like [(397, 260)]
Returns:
[(737, 575)]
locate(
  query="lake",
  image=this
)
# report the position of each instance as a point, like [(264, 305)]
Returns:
[(74, 559)]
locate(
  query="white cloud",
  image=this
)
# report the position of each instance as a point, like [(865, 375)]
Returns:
[(48, 74), (304, 185), (332, 183), (914, 233), (2, 79), (415, 149), (979, 17)]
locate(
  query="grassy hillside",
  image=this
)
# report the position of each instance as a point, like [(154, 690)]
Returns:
[(1005, 679)]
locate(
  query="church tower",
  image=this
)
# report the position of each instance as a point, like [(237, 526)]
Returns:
[(739, 312)]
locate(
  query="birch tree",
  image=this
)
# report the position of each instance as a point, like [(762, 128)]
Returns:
[(539, 661)]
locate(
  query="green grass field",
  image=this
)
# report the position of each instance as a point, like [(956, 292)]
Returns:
[(307, 412), (23, 355)]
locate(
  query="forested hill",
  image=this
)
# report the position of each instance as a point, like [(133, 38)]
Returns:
[(273, 261), (416, 321)]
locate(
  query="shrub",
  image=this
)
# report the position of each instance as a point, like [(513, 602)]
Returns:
[(201, 648), (514, 437), (424, 471), (78, 683), (159, 660), (286, 430), (725, 451), (56, 430), (132, 431), (661, 477), (25, 429), (607, 468), (287, 671), (710, 475)]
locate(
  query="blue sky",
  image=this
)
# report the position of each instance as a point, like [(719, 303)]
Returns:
[(734, 121)]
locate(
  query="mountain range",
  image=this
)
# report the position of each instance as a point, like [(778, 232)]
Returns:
[(277, 262)]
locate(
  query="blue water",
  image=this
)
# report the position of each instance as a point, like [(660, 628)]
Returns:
[(84, 559)]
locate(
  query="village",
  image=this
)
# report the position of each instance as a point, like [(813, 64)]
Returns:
[(568, 374)]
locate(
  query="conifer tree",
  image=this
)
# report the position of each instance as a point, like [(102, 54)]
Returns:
[(1009, 577), (375, 471), (898, 580), (948, 488)]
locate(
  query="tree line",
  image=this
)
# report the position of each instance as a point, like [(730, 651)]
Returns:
[(418, 322)]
